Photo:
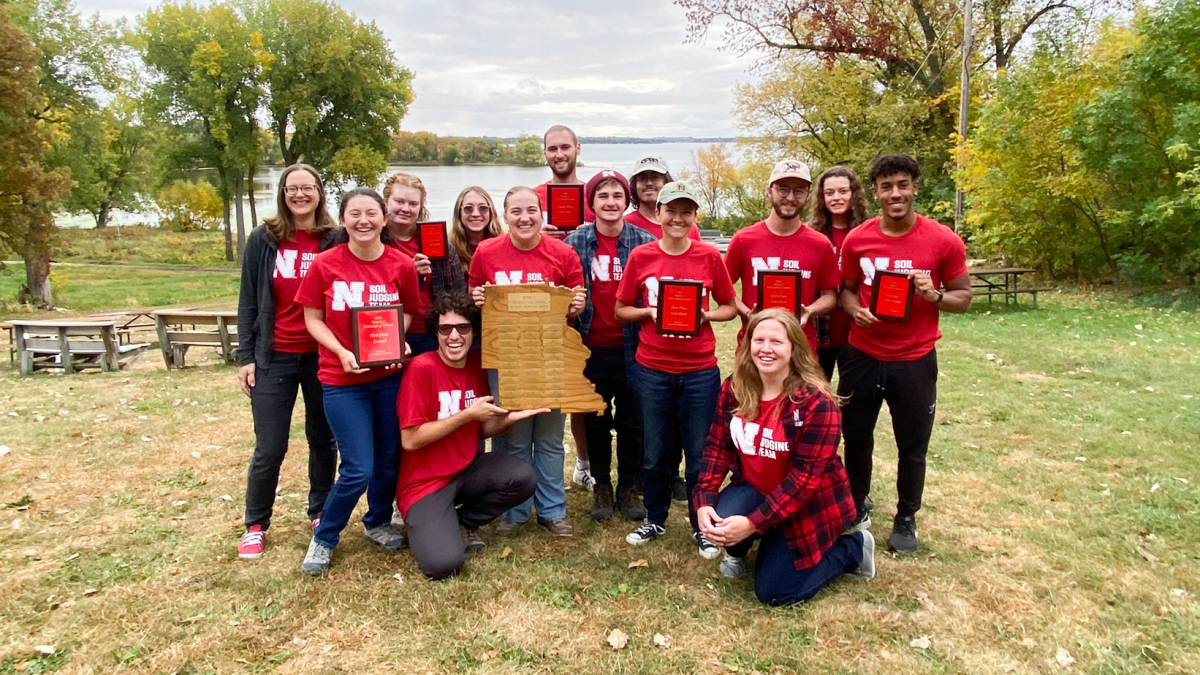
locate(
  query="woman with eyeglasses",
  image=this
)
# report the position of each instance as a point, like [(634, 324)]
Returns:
[(278, 357), (360, 402), (474, 220), (448, 486)]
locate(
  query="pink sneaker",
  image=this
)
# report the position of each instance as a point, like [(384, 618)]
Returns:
[(253, 543)]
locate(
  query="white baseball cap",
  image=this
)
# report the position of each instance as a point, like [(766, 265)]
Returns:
[(790, 168), (650, 164)]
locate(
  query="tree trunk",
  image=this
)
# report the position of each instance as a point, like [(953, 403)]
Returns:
[(36, 290), (241, 215), (253, 208), (222, 174), (103, 216)]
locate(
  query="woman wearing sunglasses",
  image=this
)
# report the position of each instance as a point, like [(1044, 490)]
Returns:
[(475, 220)]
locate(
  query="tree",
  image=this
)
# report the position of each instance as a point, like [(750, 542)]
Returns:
[(527, 151), (27, 188), (333, 85), (109, 155), (713, 175)]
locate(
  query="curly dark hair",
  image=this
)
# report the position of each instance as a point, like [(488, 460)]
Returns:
[(890, 165), (820, 219), (459, 303)]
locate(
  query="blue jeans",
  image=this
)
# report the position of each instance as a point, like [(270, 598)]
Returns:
[(538, 441), (364, 421), (776, 579), (685, 402)]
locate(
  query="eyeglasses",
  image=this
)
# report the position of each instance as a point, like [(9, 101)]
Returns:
[(469, 209), (445, 329), (293, 190), (785, 191)]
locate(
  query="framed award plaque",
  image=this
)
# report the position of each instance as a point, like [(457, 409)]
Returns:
[(892, 296), (679, 310), (378, 335), (777, 288), (432, 240), (564, 206)]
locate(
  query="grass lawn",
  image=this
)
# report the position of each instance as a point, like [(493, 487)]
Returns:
[(88, 288), (1060, 514)]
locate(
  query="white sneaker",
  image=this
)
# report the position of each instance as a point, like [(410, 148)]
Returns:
[(732, 567), (316, 560), (866, 570), (706, 549), (583, 477)]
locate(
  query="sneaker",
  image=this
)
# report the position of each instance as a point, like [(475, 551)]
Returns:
[(384, 537), (904, 535), (602, 503), (630, 503), (868, 505), (472, 542), (646, 533), (558, 527), (706, 549), (253, 543), (316, 561), (732, 567), (584, 478), (679, 491), (866, 570), (397, 520), (504, 528), (861, 523)]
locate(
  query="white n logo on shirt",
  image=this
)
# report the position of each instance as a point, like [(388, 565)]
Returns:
[(285, 263), (347, 295), (508, 278), (770, 263), (869, 266), (744, 435), (601, 268), (450, 403)]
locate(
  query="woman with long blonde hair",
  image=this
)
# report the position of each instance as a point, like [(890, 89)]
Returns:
[(474, 220), (776, 431)]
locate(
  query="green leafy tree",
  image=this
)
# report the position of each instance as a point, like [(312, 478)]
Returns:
[(109, 155), (188, 206), (527, 151)]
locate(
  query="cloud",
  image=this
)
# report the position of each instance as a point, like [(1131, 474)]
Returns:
[(508, 67)]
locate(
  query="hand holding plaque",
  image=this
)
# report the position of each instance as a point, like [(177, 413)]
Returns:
[(378, 335), (781, 289), (679, 307), (892, 296), (432, 239), (564, 206)]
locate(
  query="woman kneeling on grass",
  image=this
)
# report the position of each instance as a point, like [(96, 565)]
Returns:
[(776, 430), (359, 402)]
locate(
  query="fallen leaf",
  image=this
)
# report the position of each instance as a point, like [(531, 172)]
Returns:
[(489, 655), (1150, 557), (578, 599), (1029, 643), (886, 654), (662, 641), (196, 455), (1137, 326), (300, 642), (1162, 611), (146, 439), (638, 563), (506, 552), (45, 649), (1064, 658), (226, 498), (1155, 487), (269, 602), (87, 593), (4, 450), (922, 642), (398, 577), (617, 639), (20, 667)]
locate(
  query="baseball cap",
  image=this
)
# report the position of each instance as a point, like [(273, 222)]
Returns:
[(594, 184), (790, 168), (677, 190), (650, 164)]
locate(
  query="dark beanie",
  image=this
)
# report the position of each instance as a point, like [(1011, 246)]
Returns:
[(599, 178)]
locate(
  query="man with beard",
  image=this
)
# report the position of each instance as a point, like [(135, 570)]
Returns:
[(649, 176), (561, 149), (782, 242)]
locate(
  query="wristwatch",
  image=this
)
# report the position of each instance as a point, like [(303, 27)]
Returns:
[(940, 296)]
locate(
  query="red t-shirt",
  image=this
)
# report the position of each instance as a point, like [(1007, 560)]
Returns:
[(653, 227), (762, 446), (930, 247), (589, 216), (434, 391), (839, 321), (648, 264), (605, 270), (410, 249), (498, 261), (339, 281), (806, 251), (291, 265)]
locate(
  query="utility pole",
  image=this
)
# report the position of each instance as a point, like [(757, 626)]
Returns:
[(963, 105)]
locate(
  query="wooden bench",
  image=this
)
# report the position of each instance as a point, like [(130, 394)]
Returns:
[(72, 346), (180, 329)]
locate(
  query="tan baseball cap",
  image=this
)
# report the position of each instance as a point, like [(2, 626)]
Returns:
[(650, 164), (677, 190), (790, 168)]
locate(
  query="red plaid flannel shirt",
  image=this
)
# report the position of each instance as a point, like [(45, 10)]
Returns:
[(813, 503)]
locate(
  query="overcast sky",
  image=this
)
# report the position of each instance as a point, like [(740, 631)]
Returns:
[(505, 67)]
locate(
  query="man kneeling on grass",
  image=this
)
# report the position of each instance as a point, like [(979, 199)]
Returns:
[(448, 487)]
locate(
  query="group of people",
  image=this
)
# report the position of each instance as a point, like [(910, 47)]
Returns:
[(412, 437)]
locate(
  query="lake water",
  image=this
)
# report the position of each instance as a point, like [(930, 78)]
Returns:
[(443, 183)]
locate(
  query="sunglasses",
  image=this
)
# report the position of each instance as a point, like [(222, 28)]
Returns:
[(446, 328)]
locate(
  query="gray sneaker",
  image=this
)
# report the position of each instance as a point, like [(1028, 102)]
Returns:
[(384, 537), (316, 561), (866, 570), (472, 542), (732, 567)]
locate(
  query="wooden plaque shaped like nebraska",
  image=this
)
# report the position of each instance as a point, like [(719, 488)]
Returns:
[(539, 358)]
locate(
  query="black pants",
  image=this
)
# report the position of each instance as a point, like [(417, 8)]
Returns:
[(606, 370), (827, 357), (480, 493), (271, 402), (910, 389)]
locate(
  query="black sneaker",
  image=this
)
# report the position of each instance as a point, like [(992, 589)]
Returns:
[(904, 535), (679, 491), (602, 502), (648, 532), (706, 549), (472, 542), (868, 505), (630, 504)]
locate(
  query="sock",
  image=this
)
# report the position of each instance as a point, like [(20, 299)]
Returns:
[(582, 465)]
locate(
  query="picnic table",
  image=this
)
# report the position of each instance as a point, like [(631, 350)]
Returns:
[(1005, 281), (179, 329), (72, 346)]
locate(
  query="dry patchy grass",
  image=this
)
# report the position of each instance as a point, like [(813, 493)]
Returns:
[(1043, 529)]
